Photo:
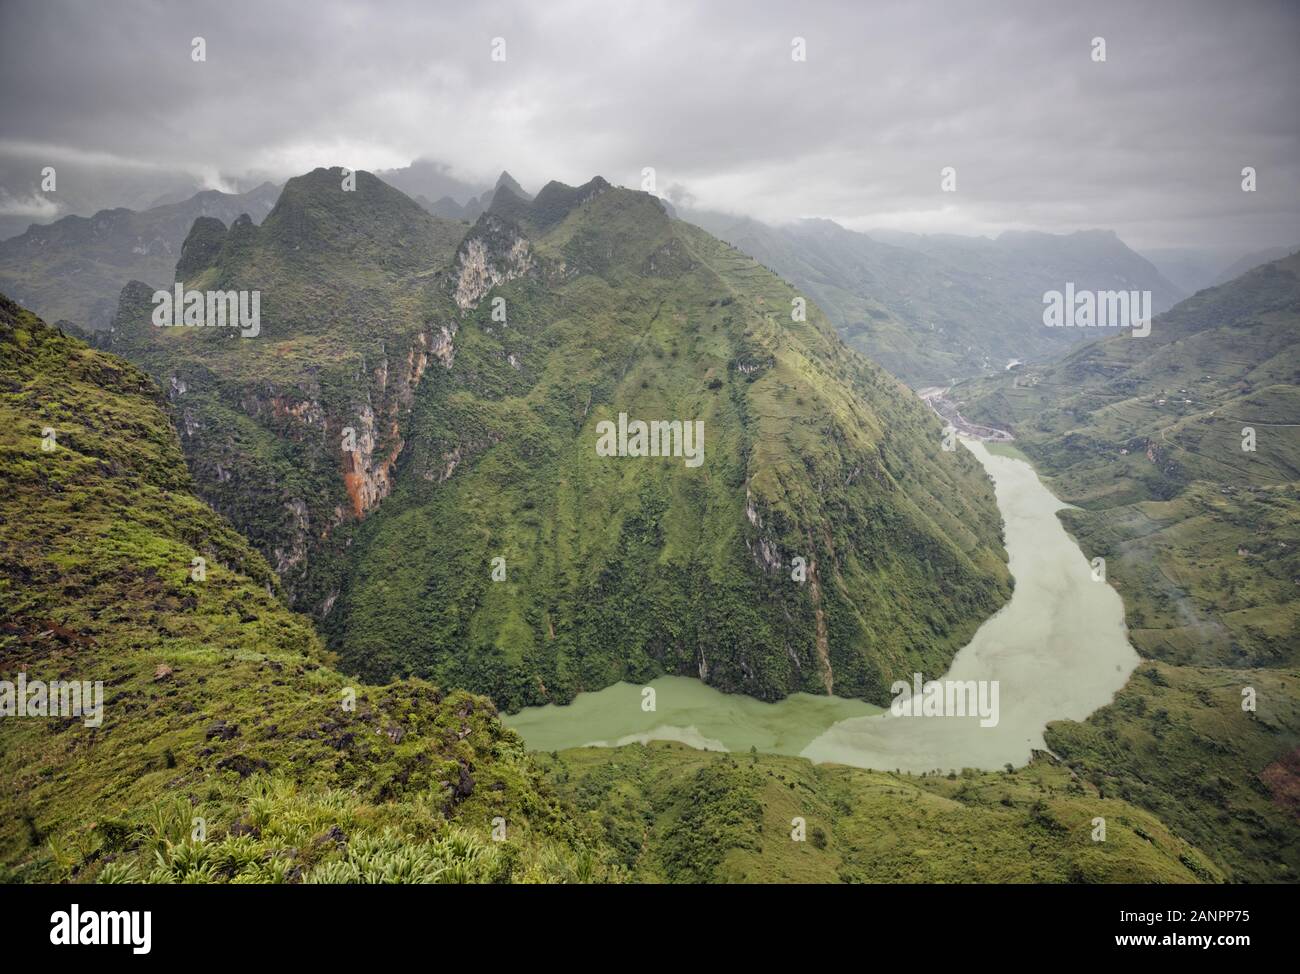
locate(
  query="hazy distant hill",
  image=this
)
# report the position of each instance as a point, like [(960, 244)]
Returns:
[(430, 179), (1251, 261), (84, 188), (449, 209), (1194, 269), (73, 270), (1133, 419), (431, 185), (931, 308), (1190, 268)]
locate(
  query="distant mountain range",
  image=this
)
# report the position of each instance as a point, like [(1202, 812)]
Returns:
[(928, 308), (1250, 262), (932, 308), (475, 206), (431, 180), (83, 188), (72, 271), (431, 184)]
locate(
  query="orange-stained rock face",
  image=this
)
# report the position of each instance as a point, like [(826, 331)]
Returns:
[(366, 478)]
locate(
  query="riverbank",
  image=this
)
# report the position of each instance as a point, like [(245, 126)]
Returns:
[(1058, 650)]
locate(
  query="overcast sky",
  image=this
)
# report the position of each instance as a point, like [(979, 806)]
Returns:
[(1150, 143)]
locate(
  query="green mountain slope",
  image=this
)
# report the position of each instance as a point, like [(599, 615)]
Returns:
[(218, 703), (351, 305), (621, 567), (73, 270), (677, 815), (223, 714), (1201, 539), (930, 308)]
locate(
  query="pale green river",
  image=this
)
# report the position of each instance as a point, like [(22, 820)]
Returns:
[(1058, 650)]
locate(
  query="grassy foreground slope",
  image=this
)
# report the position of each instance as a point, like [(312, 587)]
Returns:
[(673, 814), (219, 703), (591, 302), (1201, 538)]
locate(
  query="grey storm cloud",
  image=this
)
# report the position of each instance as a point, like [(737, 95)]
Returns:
[(1150, 143)]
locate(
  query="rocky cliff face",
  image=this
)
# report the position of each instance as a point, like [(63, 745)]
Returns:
[(368, 467), (295, 434), (363, 435), (494, 252)]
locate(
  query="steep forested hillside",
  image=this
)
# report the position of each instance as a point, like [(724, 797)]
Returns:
[(589, 303), (293, 433)]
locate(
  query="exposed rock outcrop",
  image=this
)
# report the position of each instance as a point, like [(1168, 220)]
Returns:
[(494, 252)]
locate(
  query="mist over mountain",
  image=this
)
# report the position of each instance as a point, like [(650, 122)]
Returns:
[(431, 184), (1190, 268), (89, 182), (1252, 260), (432, 180), (1194, 269)]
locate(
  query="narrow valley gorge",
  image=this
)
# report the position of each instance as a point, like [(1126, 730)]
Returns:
[(853, 444)]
